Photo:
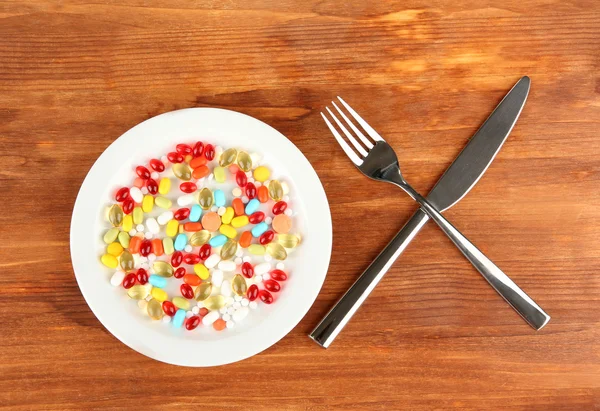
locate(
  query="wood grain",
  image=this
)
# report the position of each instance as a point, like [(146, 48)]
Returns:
[(74, 75)]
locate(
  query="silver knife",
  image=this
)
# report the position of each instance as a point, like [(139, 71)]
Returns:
[(457, 181)]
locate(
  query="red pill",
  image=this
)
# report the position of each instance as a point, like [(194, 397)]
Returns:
[(188, 187), (181, 214), (241, 179), (142, 276), (176, 258), (186, 291), (279, 207), (256, 217), (266, 237), (143, 172), (198, 149), (192, 279), (247, 270), (209, 152), (191, 259), (203, 311), (157, 165), (278, 275), (250, 191), (152, 186), (183, 149), (179, 273), (122, 194), (204, 252), (252, 292), (128, 205), (169, 308), (265, 296), (272, 285), (129, 280), (175, 157), (192, 322), (146, 247)]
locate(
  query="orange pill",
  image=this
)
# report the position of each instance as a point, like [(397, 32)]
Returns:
[(192, 279), (188, 158), (245, 239), (263, 194), (238, 206), (219, 325), (189, 226), (198, 162), (134, 244), (138, 182), (211, 221), (200, 172), (233, 169), (157, 247), (282, 224)]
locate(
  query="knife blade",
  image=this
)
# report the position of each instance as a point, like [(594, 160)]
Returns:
[(460, 177)]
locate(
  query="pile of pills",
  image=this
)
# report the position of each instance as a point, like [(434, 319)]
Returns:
[(209, 223)]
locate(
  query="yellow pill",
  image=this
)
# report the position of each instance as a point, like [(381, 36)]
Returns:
[(201, 271), (181, 302), (172, 228), (159, 294), (257, 249), (138, 215), (148, 203), (115, 249), (227, 231), (168, 247), (163, 202), (111, 235), (240, 221), (109, 260), (228, 216), (127, 223), (261, 174), (220, 175), (124, 239), (164, 186)]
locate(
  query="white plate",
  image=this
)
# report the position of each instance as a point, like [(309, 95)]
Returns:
[(263, 327)]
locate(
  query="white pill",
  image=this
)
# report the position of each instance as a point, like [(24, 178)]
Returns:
[(237, 305), (245, 199), (267, 257), (268, 220), (223, 310), (151, 257), (145, 266), (217, 278), (230, 324), (152, 225), (247, 259), (250, 180), (200, 304), (154, 175), (144, 190), (262, 268), (188, 314), (148, 235), (165, 217), (214, 209), (240, 314), (239, 252), (132, 232), (166, 319), (212, 261), (286, 188), (226, 288), (248, 174), (237, 298), (196, 309), (280, 266), (117, 278), (257, 184), (211, 176), (236, 192), (245, 302), (226, 265), (288, 212), (221, 211), (256, 158), (253, 305), (140, 227), (165, 160), (210, 318), (143, 259), (136, 260), (286, 199), (187, 248), (136, 194), (258, 279), (230, 310), (229, 300), (185, 200), (226, 317), (143, 304)]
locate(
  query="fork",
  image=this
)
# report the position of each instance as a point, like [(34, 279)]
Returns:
[(377, 160)]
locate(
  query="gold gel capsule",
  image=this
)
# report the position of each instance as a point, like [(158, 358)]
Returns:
[(126, 261), (216, 302), (288, 240), (228, 250), (199, 238), (163, 269), (205, 198), (138, 292), (276, 251), (203, 291), (154, 309), (228, 157), (182, 171), (275, 190), (238, 285), (115, 215), (244, 161)]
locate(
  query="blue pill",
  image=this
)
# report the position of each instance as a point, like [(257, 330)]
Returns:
[(259, 229), (195, 213), (218, 241), (252, 206), (178, 318), (219, 198), (158, 281), (180, 242)]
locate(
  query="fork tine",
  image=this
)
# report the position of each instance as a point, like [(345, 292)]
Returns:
[(370, 131), (349, 152), (349, 135), (360, 135)]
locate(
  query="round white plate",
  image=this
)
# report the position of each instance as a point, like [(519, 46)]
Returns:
[(264, 326)]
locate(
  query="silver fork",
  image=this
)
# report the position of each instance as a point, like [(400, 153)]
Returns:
[(377, 160)]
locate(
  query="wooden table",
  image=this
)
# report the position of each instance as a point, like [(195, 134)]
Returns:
[(75, 75)]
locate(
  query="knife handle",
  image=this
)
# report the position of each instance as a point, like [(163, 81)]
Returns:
[(337, 318)]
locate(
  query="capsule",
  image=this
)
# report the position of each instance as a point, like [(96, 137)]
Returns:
[(115, 215), (252, 293), (265, 296), (259, 229), (261, 174), (138, 292), (181, 303), (228, 250), (201, 271), (178, 318), (163, 202), (142, 276), (209, 152), (183, 149), (163, 269), (157, 247), (145, 248), (168, 245), (126, 261), (204, 252), (252, 206), (115, 249), (250, 191), (159, 294), (122, 194), (182, 171), (266, 237), (220, 175), (169, 308), (262, 194), (238, 206), (228, 157), (138, 215), (124, 239), (200, 172), (203, 291), (186, 291), (272, 285), (179, 273), (205, 198), (228, 231), (192, 322), (219, 196), (148, 203), (172, 228), (238, 285), (154, 309), (198, 149), (152, 186), (192, 279), (191, 259), (244, 161), (111, 235), (228, 215), (157, 281), (275, 190), (247, 270), (127, 223), (276, 251), (192, 227), (157, 165), (257, 217), (188, 187), (240, 221), (279, 207), (175, 158), (129, 281), (200, 238), (143, 172), (164, 186), (180, 241), (218, 241), (135, 244), (216, 302), (128, 206), (241, 179), (288, 240), (256, 249), (278, 275)]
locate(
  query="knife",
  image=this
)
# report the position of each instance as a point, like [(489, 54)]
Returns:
[(457, 181)]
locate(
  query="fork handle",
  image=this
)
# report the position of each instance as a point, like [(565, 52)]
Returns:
[(517, 298)]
